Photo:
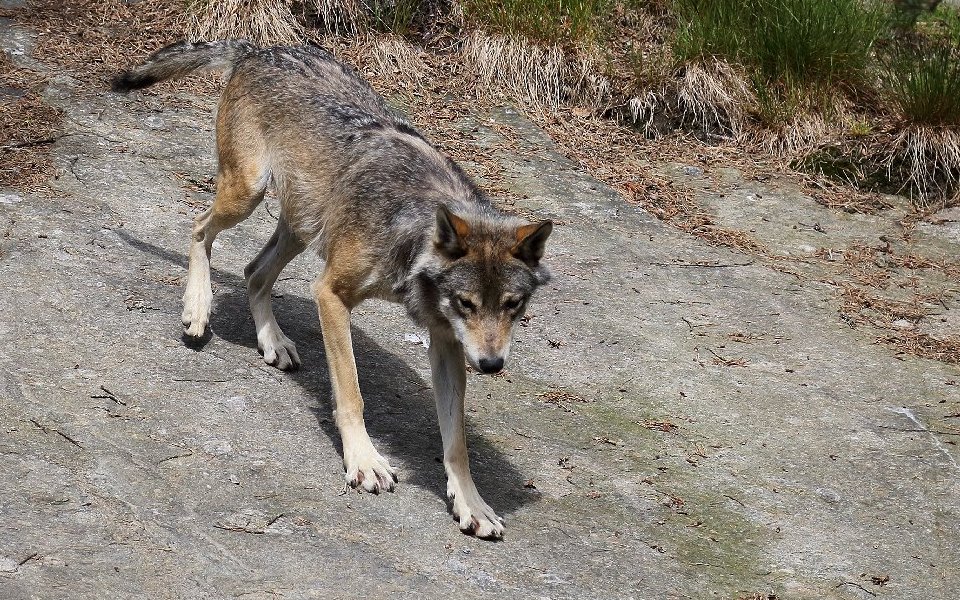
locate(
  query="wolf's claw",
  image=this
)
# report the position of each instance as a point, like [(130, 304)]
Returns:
[(474, 515), (280, 351), (369, 471)]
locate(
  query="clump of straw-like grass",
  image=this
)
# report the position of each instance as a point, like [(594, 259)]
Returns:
[(542, 77), (928, 160), (264, 22), (712, 95), (393, 57), (340, 17)]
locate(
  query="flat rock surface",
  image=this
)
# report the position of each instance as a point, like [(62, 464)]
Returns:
[(677, 420)]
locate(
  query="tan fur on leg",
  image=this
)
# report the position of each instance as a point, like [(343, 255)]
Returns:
[(241, 184), (365, 467)]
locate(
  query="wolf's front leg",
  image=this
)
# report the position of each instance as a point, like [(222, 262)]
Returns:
[(449, 383), (365, 467)]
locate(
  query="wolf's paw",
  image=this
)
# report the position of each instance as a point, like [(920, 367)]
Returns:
[(279, 351), (196, 313), (368, 470), (475, 516)]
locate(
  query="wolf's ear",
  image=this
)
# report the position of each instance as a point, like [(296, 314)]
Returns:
[(452, 232), (531, 240)]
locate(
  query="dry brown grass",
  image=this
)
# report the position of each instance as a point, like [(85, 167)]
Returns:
[(832, 194), (921, 344), (796, 136), (714, 96), (897, 321), (635, 75), (612, 153), (28, 126), (94, 38), (862, 306), (340, 17), (717, 101), (393, 57), (930, 159), (894, 294), (91, 39), (538, 77), (872, 265), (264, 22)]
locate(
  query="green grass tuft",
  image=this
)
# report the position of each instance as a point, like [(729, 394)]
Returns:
[(393, 16), (711, 29), (923, 82), (791, 42), (549, 21)]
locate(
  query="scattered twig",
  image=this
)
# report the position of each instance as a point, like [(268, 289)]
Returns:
[(273, 520), (46, 429), (275, 592), (258, 530), (665, 426), (33, 556), (703, 265), (31, 143), (108, 395), (266, 205), (744, 338), (606, 440), (175, 456), (697, 453), (42, 428), (561, 398), (677, 301), (855, 584), (815, 227), (68, 438), (737, 500), (902, 430), (727, 362)]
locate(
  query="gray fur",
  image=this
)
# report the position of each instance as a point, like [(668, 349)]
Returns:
[(342, 160), (180, 59)]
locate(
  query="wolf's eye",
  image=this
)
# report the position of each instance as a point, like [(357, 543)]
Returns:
[(465, 304), (512, 303)]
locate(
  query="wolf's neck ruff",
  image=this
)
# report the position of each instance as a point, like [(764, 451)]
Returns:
[(392, 216)]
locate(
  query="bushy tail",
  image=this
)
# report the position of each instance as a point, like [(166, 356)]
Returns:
[(180, 59)]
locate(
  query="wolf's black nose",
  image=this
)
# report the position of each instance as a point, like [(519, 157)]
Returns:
[(491, 365)]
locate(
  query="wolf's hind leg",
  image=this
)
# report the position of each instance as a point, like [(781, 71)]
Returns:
[(262, 272), (239, 191), (449, 385)]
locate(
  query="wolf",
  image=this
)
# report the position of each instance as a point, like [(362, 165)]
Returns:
[(390, 215)]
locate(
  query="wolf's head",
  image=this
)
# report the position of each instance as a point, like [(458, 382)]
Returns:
[(477, 278)]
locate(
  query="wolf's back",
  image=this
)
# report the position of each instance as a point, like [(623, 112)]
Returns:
[(180, 59)]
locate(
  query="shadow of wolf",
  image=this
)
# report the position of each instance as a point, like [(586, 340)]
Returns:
[(391, 216)]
